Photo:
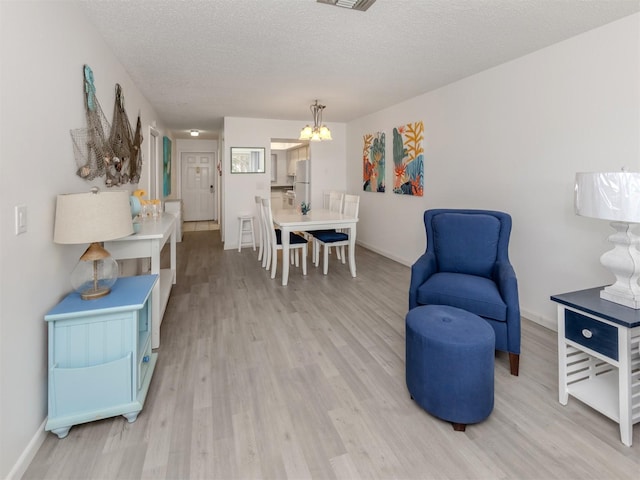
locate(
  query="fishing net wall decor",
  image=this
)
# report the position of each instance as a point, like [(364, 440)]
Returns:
[(126, 146), (91, 146), (107, 150), (135, 165), (120, 140)]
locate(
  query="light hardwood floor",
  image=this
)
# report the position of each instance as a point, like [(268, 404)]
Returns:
[(256, 380)]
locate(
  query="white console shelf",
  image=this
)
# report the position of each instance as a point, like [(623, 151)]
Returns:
[(148, 243)]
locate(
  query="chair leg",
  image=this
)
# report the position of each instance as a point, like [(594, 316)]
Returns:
[(266, 256), (274, 263), (304, 260), (240, 235), (514, 363), (325, 259), (459, 427)]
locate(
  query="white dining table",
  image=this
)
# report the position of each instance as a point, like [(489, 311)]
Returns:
[(318, 219)]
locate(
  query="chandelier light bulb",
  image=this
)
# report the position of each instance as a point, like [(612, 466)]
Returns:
[(319, 132)]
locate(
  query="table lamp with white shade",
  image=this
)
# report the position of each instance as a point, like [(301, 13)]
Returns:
[(615, 196), (93, 217)]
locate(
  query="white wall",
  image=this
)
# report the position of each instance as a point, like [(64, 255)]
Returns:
[(512, 138), (327, 166), (43, 47)]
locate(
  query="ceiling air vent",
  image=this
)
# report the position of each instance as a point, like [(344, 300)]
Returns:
[(361, 5)]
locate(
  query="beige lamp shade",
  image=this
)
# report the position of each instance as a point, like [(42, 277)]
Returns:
[(92, 217)]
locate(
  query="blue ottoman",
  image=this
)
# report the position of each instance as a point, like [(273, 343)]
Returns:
[(449, 363)]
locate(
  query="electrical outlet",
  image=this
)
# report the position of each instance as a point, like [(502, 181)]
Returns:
[(21, 219)]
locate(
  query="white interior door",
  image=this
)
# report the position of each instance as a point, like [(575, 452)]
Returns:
[(198, 186)]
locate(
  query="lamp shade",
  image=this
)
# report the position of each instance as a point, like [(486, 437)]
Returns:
[(613, 196), (92, 217)]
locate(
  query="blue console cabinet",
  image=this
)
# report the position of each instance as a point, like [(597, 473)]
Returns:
[(100, 357)]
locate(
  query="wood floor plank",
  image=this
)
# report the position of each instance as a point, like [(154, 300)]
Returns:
[(257, 380)]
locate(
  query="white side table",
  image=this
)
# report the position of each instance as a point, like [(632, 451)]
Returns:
[(599, 356)]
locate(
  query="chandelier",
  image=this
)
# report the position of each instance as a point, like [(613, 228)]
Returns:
[(319, 132)]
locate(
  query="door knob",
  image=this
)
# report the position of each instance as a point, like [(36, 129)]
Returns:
[(211, 188)]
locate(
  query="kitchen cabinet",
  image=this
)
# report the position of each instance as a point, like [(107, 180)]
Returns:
[(294, 156), (274, 167), (292, 159), (303, 153), (276, 199)]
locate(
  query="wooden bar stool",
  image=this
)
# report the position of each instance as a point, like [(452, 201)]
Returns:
[(245, 227)]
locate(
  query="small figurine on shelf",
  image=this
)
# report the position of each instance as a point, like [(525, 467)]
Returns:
[(305, 207), (149, 208)]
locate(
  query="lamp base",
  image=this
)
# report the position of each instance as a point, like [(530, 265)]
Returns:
[(93, 293), (95, 273), (620, 298), (624, 262)]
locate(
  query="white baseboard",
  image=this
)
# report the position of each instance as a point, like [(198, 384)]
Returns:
[(402, 261), (551, 324), (25, 459)]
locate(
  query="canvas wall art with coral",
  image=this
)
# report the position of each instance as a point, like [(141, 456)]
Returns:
[(408, 159), (373, 168)]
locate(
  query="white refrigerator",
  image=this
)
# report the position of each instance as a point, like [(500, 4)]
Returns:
[(301, 184)]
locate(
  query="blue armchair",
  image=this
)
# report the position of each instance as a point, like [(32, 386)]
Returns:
[(466, 265)]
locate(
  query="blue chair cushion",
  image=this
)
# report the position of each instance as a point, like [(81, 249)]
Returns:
[(315, 232), (475, 294), (466, 243), (293, 238), (330, 237)]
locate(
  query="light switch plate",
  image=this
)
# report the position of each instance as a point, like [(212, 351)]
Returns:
[(21, 219)]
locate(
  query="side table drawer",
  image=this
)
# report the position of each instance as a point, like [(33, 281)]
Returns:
[(598, 336)]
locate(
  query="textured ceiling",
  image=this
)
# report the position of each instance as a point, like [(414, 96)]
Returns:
[(199, 61)]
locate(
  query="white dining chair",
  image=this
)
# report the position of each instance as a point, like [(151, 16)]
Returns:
[(258, 200), (266, 237), (296, 242), (336, 238), (334, 201)]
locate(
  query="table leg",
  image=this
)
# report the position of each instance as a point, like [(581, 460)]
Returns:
[(155, 295), (352, 250), (624, 383), (286, 234), (563, 392), (172, 247)]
